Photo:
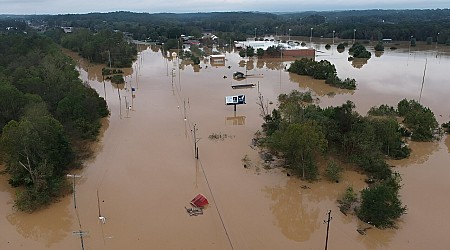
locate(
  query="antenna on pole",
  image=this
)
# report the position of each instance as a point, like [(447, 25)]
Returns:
[(328, 227)]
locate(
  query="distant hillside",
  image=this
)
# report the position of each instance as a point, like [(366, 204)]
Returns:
[(369, 24)]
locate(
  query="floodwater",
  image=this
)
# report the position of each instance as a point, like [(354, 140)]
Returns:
[(145, 173)]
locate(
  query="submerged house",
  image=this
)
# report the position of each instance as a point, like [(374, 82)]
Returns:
[(199, 201)]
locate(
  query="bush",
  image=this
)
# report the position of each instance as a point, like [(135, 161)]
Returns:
[(380, 204), (347, 83), (333, 171), (419, 119), (379, 47), (382, 110), (359, 51), (446, 126), (348, 199)]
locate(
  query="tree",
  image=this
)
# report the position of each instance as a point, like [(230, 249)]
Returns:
[(300, 144), (359, 51), (273, 51), (341, 47), (379, 47), (380, 203), (250, 51), (37, 155), (12, 102), (333, 171), (419, 119), (260, 52)]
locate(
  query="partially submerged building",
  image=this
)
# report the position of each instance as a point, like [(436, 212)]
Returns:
[(288, 49)]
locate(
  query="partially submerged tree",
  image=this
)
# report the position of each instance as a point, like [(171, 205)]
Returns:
[(300, 144), (380, 203)]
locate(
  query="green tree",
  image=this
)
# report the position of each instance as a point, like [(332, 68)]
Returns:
[(379, 47), (380, 204), (37, 155), (359, 51), (333, 172), (300, 144), (419, 119), (250, 51), (260, 52)]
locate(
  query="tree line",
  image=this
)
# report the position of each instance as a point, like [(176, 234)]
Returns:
[(399, 25), (323, 70), (105, 46), (47, 114), (300, 133)]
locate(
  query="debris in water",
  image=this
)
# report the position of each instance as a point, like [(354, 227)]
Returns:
[(194, 211), (362, 231)]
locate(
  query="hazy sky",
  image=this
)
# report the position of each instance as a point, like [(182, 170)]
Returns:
[(177, 6)]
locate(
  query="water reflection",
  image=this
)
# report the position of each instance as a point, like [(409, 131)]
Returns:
[(359, 62), (377, 238), (319, 87), (295, 215), (250, 64), (420, 152), (379, 53), (260, 64), (48, 225), (447, 142), (235, 120)]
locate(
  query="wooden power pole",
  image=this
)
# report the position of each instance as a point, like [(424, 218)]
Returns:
[(328, 227)]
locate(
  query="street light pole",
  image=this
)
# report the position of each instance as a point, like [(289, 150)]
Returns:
[(354, 35), (410, 41), (255, 34), (437, 39), (310, 38), (289, 34), (276, 32), (333, 36)]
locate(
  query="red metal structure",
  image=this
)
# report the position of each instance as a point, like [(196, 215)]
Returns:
[(199, 201)]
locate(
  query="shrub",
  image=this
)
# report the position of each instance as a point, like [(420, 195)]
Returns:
[(333, 171)]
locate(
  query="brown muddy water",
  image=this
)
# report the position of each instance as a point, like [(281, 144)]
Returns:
[(145, 172)]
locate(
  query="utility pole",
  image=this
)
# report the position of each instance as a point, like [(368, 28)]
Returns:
[(80, 234), (185, 116), (109, 57), (328, 227), (194, 131), (73, 188)]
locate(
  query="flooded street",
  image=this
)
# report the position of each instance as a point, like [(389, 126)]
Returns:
[(145, 173)]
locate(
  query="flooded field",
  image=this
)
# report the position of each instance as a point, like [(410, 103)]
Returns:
[(145, 173)]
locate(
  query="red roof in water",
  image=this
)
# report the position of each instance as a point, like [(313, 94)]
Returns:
[(199, 201)]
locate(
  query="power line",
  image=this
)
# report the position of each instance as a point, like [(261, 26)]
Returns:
[(423, 79), (80, 232), (215, 203)]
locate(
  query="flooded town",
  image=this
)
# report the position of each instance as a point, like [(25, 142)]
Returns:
[(145, 172)]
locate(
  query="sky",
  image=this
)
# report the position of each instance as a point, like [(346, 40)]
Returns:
[(187, 6)]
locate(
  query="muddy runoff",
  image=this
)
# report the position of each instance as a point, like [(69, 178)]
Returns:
[(145, 173)]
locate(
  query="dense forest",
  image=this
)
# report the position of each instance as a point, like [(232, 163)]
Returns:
[(47, 115), (399, 25), (105, 46), (301, 133)]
